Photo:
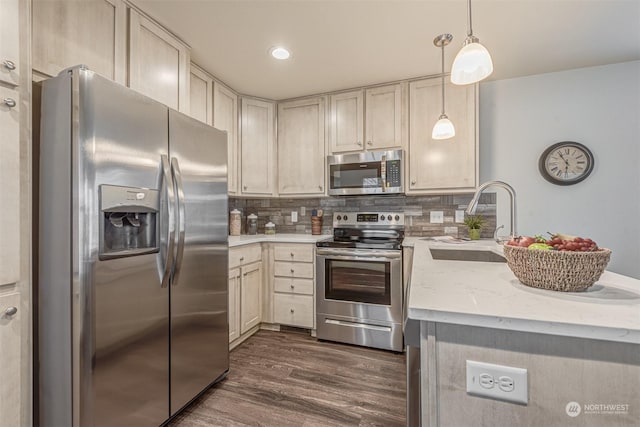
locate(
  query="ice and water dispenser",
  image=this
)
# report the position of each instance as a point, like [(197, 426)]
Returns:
[(129, 221)]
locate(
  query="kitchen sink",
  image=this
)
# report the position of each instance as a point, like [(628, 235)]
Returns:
[(466, 255)]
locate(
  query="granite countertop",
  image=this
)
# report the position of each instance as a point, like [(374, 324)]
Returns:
[(487, 294), (246, 239)]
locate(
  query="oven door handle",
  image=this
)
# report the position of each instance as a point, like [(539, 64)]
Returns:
[(360, 256)]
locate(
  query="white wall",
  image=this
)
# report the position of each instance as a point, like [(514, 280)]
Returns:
[(596, 106)]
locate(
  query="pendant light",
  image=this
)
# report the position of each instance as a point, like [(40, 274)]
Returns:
[(473, 62), (443, 128)]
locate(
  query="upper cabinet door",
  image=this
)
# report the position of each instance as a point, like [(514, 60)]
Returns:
[(225, 117), (384, 117), (257, 160), (200, 95), (442, 165), (158, 63), (301, 142), (9, 44), (347, 115), (68, 33)]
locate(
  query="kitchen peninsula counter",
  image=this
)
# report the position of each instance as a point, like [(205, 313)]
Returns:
[(487, 294)]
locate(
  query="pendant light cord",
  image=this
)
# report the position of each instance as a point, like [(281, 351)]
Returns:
[(442, 47), (470, 29)]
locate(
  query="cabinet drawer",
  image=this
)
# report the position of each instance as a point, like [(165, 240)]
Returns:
[(245, 255), (294, 269), (294, 310), (294, 253), (294, 285)]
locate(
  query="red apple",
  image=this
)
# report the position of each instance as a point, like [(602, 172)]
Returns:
[(525, 241)]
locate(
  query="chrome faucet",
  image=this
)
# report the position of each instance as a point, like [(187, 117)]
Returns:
[(473, 204)]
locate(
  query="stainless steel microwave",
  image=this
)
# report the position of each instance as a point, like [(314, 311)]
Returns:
[(371, 172)]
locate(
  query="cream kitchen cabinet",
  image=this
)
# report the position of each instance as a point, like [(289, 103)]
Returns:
[(245, 290), (293, 297), (10, 186), (225, 117), (200, 94), (449, 165), (301, 147), (367, 120), (257, 147), (158, 63), (9, 46), (68, 33), (10, 344)]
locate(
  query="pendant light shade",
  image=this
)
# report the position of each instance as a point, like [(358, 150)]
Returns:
[(443, 128), (473, 63)]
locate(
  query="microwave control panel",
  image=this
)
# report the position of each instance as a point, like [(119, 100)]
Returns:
[(394, 173)]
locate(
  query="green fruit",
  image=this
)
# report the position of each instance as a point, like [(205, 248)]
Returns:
[(540, 246)]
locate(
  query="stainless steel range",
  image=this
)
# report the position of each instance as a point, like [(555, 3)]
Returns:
[(359, 280)]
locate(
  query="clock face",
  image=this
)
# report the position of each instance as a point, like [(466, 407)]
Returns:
[(566, 163)]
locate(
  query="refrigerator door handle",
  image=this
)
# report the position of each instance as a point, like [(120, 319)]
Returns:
[(175, 168), (167, 182)]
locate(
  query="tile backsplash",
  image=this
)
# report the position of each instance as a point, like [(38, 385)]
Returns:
[(417, 210)]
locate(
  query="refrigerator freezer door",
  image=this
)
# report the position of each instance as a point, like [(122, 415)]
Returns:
[(199, 327), (124, 355)]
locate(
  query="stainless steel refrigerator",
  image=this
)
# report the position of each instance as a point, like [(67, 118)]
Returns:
[(132, 258)]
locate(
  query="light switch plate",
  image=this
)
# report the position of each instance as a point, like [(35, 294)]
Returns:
[(460, 216), (294, 216), (437, 217), (497, 382)]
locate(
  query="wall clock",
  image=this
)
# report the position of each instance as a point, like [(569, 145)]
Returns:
[(566, 163)]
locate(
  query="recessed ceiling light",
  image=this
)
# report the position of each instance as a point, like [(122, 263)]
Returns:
[(280, 53)]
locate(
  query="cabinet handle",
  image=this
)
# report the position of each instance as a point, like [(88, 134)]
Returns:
[(413, 182), (292, 286), (291, 254), (292, 270), (241, 258), (320, 187), (9, 102), (10, 311), (244, 274), (9, 65), (359, 143), (292, 310), (369, 143)]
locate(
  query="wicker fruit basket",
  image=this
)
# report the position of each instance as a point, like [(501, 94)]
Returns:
[(562, 271)]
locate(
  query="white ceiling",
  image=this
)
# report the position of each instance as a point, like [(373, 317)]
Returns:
[(342, 44)]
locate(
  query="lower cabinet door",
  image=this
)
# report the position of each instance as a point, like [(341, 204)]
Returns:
[(10, 360), (234, 304), (293, 310), (250, 296)]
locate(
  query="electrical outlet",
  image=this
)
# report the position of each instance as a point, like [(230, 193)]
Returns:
[(303, 211), (459, 216), (437, 217), (294, 216), (497, 382)]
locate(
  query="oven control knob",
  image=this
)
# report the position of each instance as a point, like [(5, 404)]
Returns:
[(397, 218), (381, 217), (389, 217), (339, 217), (346, 217)]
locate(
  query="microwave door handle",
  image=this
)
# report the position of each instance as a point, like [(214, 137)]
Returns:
[(383, 174), (166, 263), (175, 168)]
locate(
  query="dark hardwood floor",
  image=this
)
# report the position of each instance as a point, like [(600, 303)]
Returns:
[(291, 379)]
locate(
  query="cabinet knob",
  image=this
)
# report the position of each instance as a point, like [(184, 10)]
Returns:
[(359, 143), (292, 270), (292, 310), (320, 187), (292, 287), (9, 65), (413, 182), (291, 254), (369, 143), (11, 311), (9, 102), (241, 258), (244, 187)]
